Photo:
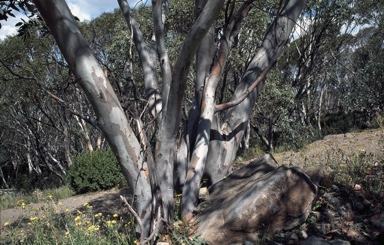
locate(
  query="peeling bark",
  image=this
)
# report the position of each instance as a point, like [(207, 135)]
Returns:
[(172, 104), (147, 60), (201, 146), (111, 118), (223, 147)]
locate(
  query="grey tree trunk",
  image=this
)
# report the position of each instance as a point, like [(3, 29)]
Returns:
[(172, 105), (223, 147), (111, 118)]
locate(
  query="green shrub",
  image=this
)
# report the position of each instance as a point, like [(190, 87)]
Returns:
[(95, 171)]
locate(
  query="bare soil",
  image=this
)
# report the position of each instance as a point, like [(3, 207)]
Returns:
[(106, 202), (346, 212)]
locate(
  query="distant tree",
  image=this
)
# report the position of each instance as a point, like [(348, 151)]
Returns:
[(38, 128)]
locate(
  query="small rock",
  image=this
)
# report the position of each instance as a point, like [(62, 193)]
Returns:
[(357, 187), (248, 243), (162, 243), (303, 234), (330, 215), (347, 215), (339, 242), (378, 221), (359, 206), (335, 188), (203, 194), (294, 237), (366, 202), (312, 240), (333, 200), (270, 242)]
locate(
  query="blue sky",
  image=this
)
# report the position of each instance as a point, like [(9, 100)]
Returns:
[(83, 9), (87, 10)]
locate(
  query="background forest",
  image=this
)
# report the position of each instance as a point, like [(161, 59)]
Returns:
[(328, 80)]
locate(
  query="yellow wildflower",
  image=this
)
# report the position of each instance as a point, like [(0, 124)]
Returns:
[(67, 210), (113, 222), (6, 224), (33, 218), (98, 215), (60, 204), (93, 228), (50, 196), (115, 215), (77, 218), (78, 223), (23, 205), (85, 204), (178, 195)]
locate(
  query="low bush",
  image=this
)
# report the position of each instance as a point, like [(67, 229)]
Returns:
[(95, 171)]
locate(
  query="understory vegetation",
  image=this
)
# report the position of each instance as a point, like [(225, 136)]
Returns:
[(349, 168), (52, 223), (95, 171)]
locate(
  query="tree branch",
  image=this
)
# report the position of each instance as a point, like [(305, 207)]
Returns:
[(56, 98), (242, 97), (147, 60), (132, 211)]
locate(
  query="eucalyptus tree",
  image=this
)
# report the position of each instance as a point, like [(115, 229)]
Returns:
[(209, 139), (38, 131), (365, 89), (32, 120), (151, 174)]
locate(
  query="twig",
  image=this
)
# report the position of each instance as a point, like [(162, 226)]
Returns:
[(155, 228), (133, 212)]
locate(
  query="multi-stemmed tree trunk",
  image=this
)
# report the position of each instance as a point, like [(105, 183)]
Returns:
[(210, 146)]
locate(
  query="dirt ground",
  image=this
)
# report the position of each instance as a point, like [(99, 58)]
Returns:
[(106, 202), (333, 149), (349, 205), (339, 146)]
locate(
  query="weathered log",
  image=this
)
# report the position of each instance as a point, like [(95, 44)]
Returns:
[(260, 197)]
